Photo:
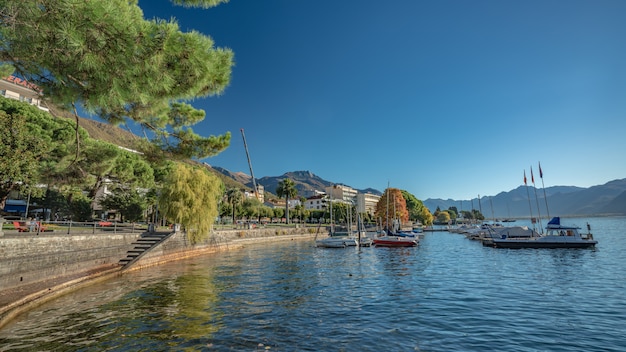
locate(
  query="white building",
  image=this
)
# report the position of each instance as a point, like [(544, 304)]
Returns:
[(342, 193), (261, 195), (16, 88), (315, 203), (366, 203)]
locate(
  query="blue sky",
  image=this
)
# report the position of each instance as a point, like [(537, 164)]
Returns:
[(445, 99)]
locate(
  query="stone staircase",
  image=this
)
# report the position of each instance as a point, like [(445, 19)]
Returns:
[(142, 245)]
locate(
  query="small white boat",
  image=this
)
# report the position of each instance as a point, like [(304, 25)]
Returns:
[(510, 232), (557, 236), (365, 241), (336, 242), (399, 239)]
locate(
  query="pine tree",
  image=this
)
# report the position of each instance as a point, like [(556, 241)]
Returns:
[(104, 56)]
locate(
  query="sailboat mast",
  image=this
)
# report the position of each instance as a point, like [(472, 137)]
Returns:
[(387, 222), (544, 190), (493, 215), (532, 178), (332, 187), (529, 206), (245, 145), (395, 215)]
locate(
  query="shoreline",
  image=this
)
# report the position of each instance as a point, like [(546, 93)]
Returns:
[(15, 301)]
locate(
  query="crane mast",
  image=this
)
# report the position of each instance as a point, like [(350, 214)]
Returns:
[(245, 145)]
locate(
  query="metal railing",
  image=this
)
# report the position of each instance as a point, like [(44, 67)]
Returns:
[(72, 227)]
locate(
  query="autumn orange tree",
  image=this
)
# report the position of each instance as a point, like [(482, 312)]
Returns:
[(390, 206)]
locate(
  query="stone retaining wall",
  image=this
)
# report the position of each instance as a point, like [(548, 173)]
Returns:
[(178, 246), (26, 259)]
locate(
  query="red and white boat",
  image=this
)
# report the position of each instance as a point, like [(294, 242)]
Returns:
[(395, 241)]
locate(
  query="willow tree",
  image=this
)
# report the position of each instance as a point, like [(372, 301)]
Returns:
[(286, 188), (390, 207), (103, 56), (190, 197)]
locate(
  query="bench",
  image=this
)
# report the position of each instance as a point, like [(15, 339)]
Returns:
[(22, 227), (43, 228), (19, 227)]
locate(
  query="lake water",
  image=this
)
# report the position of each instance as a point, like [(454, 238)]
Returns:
[(448, 294)]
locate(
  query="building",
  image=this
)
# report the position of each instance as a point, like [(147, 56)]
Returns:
[(261, 195), (316, 202), (311, 193), (16, 88), (342, 193), (366, 203)]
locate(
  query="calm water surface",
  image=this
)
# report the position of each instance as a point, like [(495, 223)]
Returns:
[(448, 294)]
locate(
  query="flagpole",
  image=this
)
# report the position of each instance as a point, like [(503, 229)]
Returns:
[(529, 206), (544, 190), (532, 177)]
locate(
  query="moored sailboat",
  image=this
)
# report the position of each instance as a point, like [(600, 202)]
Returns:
[(557, 236)]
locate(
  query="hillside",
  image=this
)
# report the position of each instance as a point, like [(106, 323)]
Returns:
[(98, 130), (107, 133), (121, 137), (607, 199), (238, 177), (617, 205)]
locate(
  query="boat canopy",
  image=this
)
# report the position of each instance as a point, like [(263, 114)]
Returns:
[(555, 221)]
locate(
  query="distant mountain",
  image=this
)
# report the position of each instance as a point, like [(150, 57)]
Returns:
[(372, 191), (306, 182), (240, 177), (607, 199), (617, 205)]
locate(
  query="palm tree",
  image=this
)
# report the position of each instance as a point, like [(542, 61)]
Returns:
[(286, 188), (234, 198), (302, 207)]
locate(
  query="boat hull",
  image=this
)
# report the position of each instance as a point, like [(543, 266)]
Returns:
[(394, 242), (331, 242), (558, 236), (518, 244)]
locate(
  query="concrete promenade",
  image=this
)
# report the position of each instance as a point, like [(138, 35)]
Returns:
[(103, 263)]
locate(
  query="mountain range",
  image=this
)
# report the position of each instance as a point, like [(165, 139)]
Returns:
[(306, 182), (606, 199)]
